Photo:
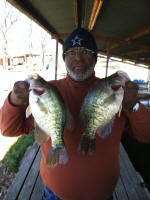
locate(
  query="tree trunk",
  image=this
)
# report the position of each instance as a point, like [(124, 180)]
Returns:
[(5, 58)]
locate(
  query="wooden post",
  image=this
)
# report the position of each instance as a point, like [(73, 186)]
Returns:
[(56, 59), (148, 75), (148, 82), (107, 63)]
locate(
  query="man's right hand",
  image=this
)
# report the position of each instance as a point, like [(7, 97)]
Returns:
[(20, 94)]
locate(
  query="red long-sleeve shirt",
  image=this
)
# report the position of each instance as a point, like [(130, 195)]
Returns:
[(83, 177)]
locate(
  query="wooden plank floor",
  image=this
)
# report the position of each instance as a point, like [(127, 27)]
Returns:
[(130, 185), (28, 184), (27, 181)]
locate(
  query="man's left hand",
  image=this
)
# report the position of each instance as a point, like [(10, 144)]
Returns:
[(130, 95)]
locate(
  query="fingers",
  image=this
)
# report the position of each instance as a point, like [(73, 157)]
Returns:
[(130, 95), (130, 89), (20, 93), (131, 85), (21, 84), (21, 87)]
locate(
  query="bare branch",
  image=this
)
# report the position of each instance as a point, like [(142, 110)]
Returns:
[(9, 16)]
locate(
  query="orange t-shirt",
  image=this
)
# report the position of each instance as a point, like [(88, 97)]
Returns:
[(83, 177)]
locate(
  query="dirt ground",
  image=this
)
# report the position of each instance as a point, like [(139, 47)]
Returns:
[(6, 179)]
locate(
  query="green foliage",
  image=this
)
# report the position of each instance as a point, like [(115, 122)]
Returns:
[(16, 152)]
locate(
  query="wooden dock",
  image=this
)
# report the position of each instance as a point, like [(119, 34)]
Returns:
[(28, 185)]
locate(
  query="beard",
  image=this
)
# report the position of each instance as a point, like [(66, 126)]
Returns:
[(82, 76)]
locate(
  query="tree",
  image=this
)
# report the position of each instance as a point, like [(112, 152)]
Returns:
[(30, 33), (9, 16), (43, 45)]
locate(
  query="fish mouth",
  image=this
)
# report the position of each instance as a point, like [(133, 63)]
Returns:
[(115, 87), (38, 91)]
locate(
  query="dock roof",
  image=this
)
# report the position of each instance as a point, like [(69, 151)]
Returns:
[(121, 28)]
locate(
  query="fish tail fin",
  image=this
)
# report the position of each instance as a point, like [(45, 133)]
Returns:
[(105, 130), (87, 144), (57, 155)]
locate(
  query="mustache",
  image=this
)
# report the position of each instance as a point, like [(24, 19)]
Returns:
[(77, 64)]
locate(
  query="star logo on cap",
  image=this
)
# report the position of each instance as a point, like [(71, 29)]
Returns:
[(76, 40)]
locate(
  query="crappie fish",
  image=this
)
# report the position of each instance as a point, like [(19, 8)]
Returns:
[(102, 103), (49, 111)]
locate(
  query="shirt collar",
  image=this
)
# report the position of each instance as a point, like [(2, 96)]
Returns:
[(82, 84)]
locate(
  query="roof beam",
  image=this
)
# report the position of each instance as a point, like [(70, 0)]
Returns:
[(122, 43), (95, 12), (113, 59), (139, 34), (134, 52), (145, 61), (76, 14)]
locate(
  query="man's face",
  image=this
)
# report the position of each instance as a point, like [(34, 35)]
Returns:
[(79, 64)]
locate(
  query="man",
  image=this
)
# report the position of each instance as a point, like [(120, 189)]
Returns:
[(83, 177)]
